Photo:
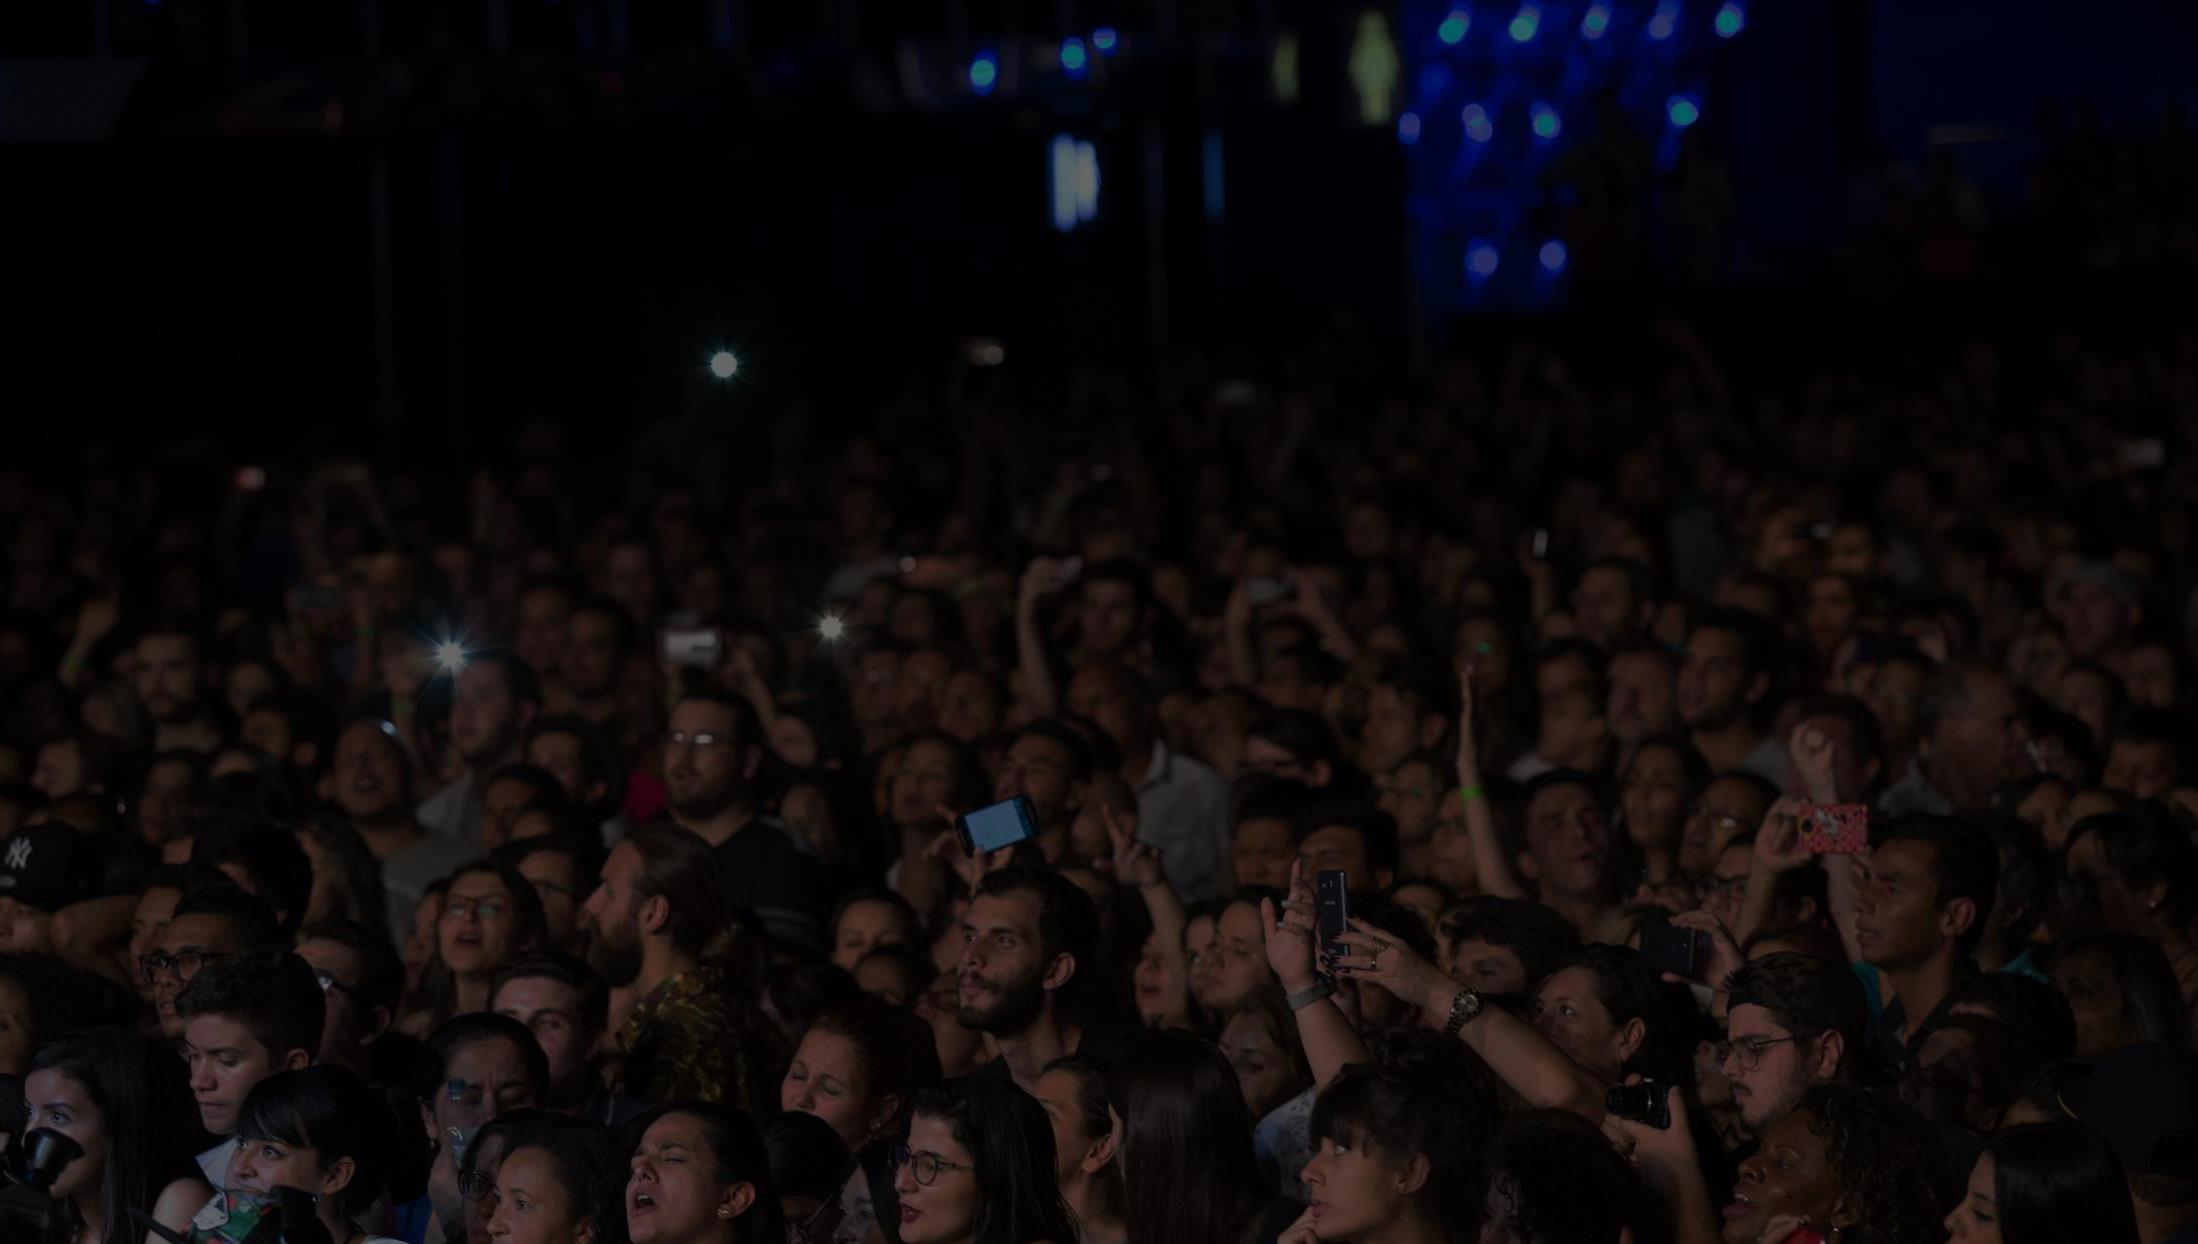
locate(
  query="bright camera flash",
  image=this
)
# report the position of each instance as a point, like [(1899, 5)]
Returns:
[(449, 656), (830, 627), (723, 364)]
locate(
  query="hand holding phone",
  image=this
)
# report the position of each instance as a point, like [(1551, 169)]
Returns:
[(1332, 908), (1669, 948)]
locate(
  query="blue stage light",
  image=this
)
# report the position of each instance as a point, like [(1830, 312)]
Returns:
[(1074, 58), (1527, 21), (984, 73), (1553, 256), (1408, 128), (1661, 26), (1682, 111), (1731, 20), (1595, 23), (1480, 260), (1453, 28), (1104, 38)]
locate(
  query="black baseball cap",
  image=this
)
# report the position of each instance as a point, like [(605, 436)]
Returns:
[(49, 866), (2142, 1100)]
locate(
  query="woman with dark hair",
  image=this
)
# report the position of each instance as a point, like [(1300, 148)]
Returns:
[(127, 1105), (978, 1168), (699, 1174), (1188, 1172), (855, 1068), (1846, 1163), (1605, 1009), (347, 878), (560, 1187), (1554, 1179), (323, 1131), (809, 1166), (1261, 1042), (1400, 1146), (1087, 1140), (41, 996), (2122, 991), (2044, 1184), (490, 916), (1658, 784)]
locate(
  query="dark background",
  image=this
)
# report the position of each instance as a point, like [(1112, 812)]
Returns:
[(345, 224)]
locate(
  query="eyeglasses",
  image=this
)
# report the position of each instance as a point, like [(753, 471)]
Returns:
[(476, 1185), (924, 1164), (185, 964), (820, 1227), (546, 888), (466, 908), (1748, 1050), (704, 738), (329, 984)]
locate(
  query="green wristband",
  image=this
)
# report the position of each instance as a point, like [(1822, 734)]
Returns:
[(1468, 794)]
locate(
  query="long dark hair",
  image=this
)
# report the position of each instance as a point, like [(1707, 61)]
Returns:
[(1891, 1163), (2152, 1002), (144, 1100), (737, 1150), (1094, 1117), (1424, 1096), (1011, 1143), (2059, 1181), (1188, 1173), (438, 991), (332, 1111)]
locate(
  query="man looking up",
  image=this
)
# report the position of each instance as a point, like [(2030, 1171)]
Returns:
[(1027, 935)]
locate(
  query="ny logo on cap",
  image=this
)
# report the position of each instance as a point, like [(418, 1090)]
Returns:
[(18, 856)]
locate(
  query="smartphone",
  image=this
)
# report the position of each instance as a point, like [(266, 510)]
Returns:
[(699, 648), (251, 478), (1669, 948), (1262, 592), (1835, 828), (1541, 544), (997, 826), (1332, 907), (984, 352)]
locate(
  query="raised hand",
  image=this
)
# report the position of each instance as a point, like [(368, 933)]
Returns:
[(1815, 757), (1469, 758), (1779, 845), (1372, 956), (1725, 957), (1136, 863), (1289, 933)]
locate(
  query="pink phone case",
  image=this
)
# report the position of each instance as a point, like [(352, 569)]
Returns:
[(1835, 828)]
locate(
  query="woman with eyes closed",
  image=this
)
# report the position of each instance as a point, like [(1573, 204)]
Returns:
[(323, 1131), (699, 1174), (2045, 1183), (560, 1187), (855, 1068), (127, 1106)]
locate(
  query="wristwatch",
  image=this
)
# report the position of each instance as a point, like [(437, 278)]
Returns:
[(1309, 995), (1464, 1005)]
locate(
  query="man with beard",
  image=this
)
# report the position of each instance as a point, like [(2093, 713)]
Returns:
[(1029, 950), (371, 783), (711, 751), (660, 926), (171, 684), (493, 704)]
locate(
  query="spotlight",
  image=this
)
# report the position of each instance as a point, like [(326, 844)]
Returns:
[(1408, 128), (1547, 124), (1527, 21), (1074, 59), (1731, 20), (831, 628), (1453, 28), (1665, 21), (1480, 259), (450, 656), (984, 72), (723, 364), (1682, 111), (1104, 38), (1477, 125), (1596, 23), (1553, 256)]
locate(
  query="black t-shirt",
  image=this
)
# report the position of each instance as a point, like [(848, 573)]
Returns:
[(764, 873)]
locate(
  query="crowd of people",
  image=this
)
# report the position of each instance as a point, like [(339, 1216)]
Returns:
[(1764, 815)]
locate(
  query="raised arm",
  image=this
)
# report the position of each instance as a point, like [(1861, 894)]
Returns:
[(1525, 1059), (1331, 1043), (1138, 863), (1489, 865), (1044, 578)]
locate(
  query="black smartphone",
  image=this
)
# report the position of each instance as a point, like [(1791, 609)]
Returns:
[(1332, 905), (997, 826), (1668, 948), (1645, 1103)]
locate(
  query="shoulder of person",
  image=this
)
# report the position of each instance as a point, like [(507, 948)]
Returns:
[(181, 1200)]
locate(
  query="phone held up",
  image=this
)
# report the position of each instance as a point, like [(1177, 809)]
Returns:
[(1669, 948), (1332, 907), (1835, 828), (995, 827)]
